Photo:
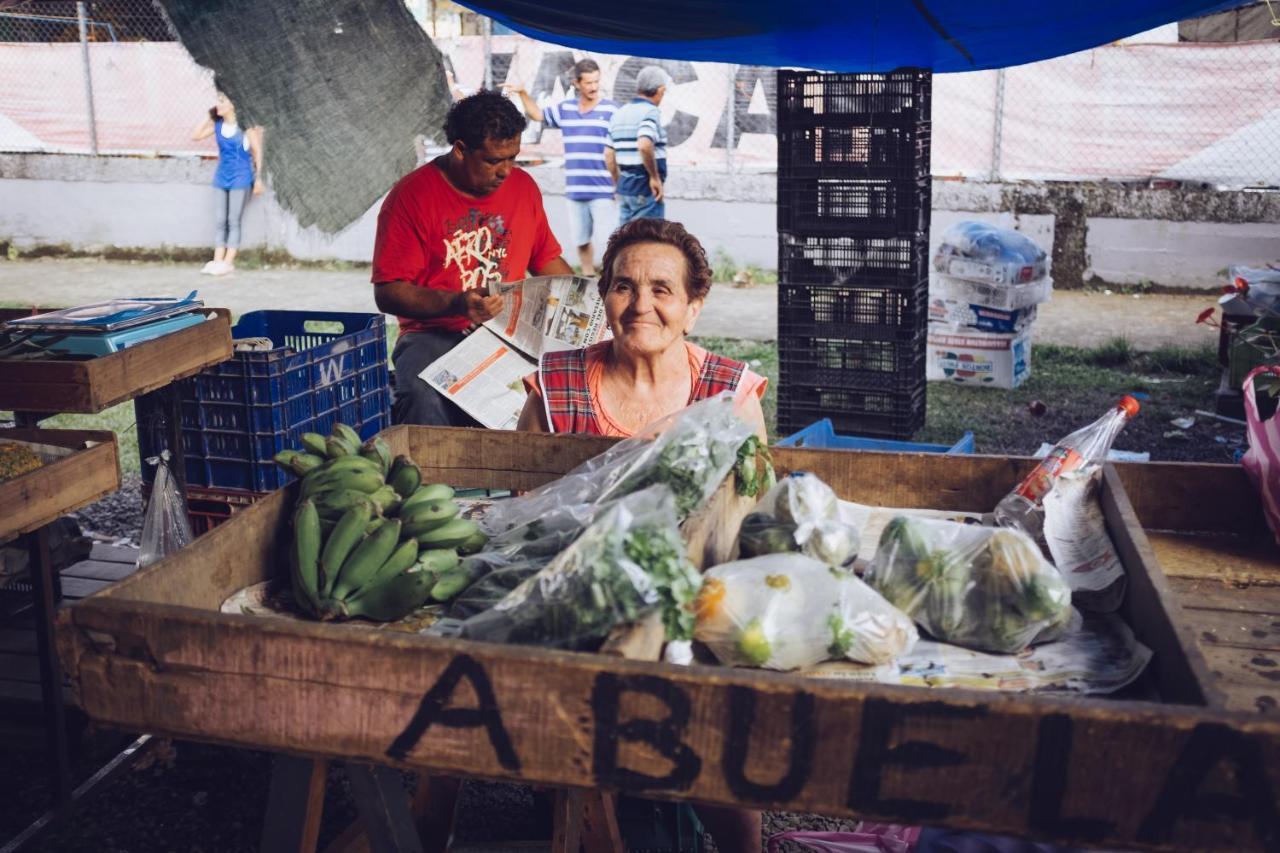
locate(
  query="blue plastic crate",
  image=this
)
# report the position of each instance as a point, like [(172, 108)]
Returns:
[(821, 434), (326, 367)]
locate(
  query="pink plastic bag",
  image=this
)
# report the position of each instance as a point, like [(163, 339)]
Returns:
[(1262, 460), (866, 838)]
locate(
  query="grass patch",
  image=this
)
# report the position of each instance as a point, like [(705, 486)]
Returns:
[(725, 269)]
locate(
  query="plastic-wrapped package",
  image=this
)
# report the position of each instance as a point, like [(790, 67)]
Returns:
[(979, 251), (801, 513), (691, 451), (627, 563), (788, 611), (166, 527), (980, 587)]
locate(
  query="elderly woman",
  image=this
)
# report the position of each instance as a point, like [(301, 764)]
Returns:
[(654, 279)]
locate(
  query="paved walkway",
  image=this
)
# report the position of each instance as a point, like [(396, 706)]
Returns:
[(1071, 317)]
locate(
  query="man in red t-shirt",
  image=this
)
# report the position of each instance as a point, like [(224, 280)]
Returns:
[(445, 231)]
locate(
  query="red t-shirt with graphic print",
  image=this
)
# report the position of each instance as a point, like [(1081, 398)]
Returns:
[(431, 235)]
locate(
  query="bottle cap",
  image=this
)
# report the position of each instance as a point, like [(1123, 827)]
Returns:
[(1129, 404)]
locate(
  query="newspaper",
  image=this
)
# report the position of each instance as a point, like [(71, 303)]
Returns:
[(1075, 532), (549, 313), (483, 374), (1099, 655)]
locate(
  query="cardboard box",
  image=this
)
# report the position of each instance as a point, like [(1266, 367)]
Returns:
[(994, 361), (966, 317)]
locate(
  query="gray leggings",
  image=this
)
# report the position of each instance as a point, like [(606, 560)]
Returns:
[(228, 207)]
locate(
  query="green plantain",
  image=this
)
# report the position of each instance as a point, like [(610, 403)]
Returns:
[(305, 576), (340, 543), (366, 559), (390, 600), (451, 534), (375, 449), (347, 434), (403, 557), (314, 443), (426, 517), (423, 494)]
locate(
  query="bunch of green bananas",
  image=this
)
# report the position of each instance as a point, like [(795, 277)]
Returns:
[(369, 538)]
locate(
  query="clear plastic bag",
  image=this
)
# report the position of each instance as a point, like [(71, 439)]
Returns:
[(629, 562), (788, 611), (166, 528), (980, 251), (981, 587), (801, 513), (691, 451)]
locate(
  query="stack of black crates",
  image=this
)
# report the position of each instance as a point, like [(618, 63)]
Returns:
[(853, 242)]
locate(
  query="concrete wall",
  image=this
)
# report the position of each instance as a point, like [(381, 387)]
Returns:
[(1099, 233)]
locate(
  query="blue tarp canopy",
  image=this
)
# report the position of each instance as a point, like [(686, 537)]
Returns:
[(945, 35)]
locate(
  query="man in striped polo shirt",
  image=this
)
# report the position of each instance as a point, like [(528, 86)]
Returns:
[(584, 122), (637, 152)]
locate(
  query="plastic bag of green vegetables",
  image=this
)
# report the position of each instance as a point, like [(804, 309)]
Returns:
[(629, 562), (787, 611), (800, 513), (980, 587), (691, 452)]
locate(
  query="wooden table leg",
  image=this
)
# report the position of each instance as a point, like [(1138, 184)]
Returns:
[(46, 589), (566, 820), (436, 803), (383, 804), (600, 833), (294, 805)]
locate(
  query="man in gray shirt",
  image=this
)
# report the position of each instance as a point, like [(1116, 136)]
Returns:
[(636, 151)]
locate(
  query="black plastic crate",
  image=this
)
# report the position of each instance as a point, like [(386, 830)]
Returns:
[(868, 364), (811, 98), (879, 414), (854, 150), (853, 207), (868, 312), (899, 261)]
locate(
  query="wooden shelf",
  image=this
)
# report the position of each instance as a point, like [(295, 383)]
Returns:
[(88, 386), (56, 488)]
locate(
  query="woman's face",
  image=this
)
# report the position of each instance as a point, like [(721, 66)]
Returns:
[(647, 305), (223, 105)]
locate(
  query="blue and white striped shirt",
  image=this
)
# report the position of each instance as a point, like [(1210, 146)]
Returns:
[(585, 175), (638, 119)]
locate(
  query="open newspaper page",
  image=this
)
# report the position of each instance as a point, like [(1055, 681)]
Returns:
[(484, 376), (548, 313)]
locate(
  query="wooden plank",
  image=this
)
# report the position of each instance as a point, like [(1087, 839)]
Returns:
[(1248, 678), (1150, 607), (1132, 774), (89, 386), (74, 588), (100, 570), (1234, 629), (566, 821), (1239, 560), (114, 553), (383, 804), (1172, 496), (19, 667), (295, 803), (600, 831), (19, 639), (1223, 595), (65, 485)]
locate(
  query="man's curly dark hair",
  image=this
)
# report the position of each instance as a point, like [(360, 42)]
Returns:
[(484, 115)]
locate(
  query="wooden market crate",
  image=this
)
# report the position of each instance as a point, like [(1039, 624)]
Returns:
[(1170, 770), (90, 471), (88, 386)]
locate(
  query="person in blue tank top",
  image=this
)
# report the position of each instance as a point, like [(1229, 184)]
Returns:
[(239, 173)]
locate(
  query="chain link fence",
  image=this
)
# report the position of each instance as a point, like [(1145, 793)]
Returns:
[(97, 78), (107, 76)]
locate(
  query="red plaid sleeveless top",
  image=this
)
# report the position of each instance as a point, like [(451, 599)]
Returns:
[(563, 376)]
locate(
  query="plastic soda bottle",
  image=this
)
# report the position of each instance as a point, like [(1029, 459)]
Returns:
[(1024, 506)]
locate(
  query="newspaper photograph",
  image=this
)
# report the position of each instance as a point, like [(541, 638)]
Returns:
[(484, 376), (548, 313)]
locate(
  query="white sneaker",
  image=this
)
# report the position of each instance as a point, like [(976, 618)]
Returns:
[(222, 268), (208, 268)]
